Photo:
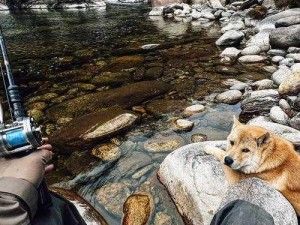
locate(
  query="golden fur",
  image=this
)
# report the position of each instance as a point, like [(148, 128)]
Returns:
[(255, 152)]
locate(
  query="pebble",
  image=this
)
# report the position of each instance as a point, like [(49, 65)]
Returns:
[(251, 59), (263, 84), (276, 52), (239, 86), (229, 97), (230, 52), (231, 37), (198, 138), (287, 62), (107, 152), (293, 50), (278, 115), (184, 125), (294, 56), (194, 109), (281, 74), (251, 50), (277, 59)]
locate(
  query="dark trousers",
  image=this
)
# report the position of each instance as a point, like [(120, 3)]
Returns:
[(62, 212), (240, 212)]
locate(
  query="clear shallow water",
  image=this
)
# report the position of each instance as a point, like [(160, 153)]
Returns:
[(41, 43)]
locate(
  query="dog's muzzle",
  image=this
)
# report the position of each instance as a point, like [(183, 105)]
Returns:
[(228, 161)]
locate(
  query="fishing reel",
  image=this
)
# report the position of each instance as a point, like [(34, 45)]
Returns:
[(19, 137)]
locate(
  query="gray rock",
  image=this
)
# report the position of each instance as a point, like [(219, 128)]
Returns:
[(226, 14), (295, 68), (277, 59), (293, 137), (230, 52), (261, 40), (229, 97), (284, 105), (290, 85), (295, 121), (278, 115), (231, 37), (196, 199), (262, 84), (287, 21), (275, 52), (293, 50), (258, 192), (196, 14), (294, 56), (285, 37), (198, 194), (208, 15), (235, 25), (239, 86), (251, 59), (258, 103), (281, 74), (251, 50), (218, 14), (287, 62)]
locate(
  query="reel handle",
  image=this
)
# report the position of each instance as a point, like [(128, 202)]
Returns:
[(44, 198)]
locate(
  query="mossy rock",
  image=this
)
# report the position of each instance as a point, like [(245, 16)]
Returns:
[(259, 12), (112, 79), (159, 107), (126, 62)]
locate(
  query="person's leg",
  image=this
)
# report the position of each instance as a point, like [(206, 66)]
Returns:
[(240, 212)]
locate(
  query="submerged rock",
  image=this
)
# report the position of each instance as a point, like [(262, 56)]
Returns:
[(194, 109), (160, 107), (161, 143), (231, 37), (107, 152), (184, 125), (89, 129), (125, 97), (137, 209)]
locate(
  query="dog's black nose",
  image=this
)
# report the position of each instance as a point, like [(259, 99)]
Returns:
[(228, 161)]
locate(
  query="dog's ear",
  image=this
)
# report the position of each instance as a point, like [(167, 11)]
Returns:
[(263, 139), (236, 123)]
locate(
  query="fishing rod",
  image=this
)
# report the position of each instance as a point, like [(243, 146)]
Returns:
[(22, 135)]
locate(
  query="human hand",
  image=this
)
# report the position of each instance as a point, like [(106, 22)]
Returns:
[(31, 167)]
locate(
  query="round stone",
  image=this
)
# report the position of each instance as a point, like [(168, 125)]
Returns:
[(229, 97), (184, 125), (194, 109), (161, 143), (251, 50), (198, 138), (107, 152), (287, 62), (278, 116), (251, 59), (277, 59)]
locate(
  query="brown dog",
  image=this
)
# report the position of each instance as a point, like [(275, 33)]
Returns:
[(254, 152)]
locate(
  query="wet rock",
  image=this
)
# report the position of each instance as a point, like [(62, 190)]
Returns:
[(262, 84), (160, 107), (198, 138), (107, 152), (278, 115), (37, 115), (112, 79), (126, 96), (42, 98), (270, 69), (276, 52), (239, 86), (196, 199), (259, 12), (231, 37), (295, 121), (287, 62), (84, 54), (294, 56), (230, 52), (142, 172), (150, 46), (277, 59), (291, 85), (137, 209), (184, 125), (258, 103), (126, 62), (251, 59), (87, 130), (162, 219), (38, 105), (281, 74), (229, 97), (161, 143), (285, 37), (251, 50), (235, 25), (119, 191), (258, 192), (79, 162), (287, 21), (89, 213), (293, 50), (153, 73), (227, 70), (194, 109)]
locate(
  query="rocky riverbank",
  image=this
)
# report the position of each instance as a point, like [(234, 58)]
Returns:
[(197, 184)]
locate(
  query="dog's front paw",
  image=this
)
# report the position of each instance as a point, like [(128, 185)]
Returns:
[(217, 152), (209, 150)]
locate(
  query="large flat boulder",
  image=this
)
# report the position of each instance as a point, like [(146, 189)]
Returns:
[(87, 130), (198, 187), (124, 97), (285, 37)]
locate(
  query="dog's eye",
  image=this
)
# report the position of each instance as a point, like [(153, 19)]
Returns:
[(245, 150), (232, 142)]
